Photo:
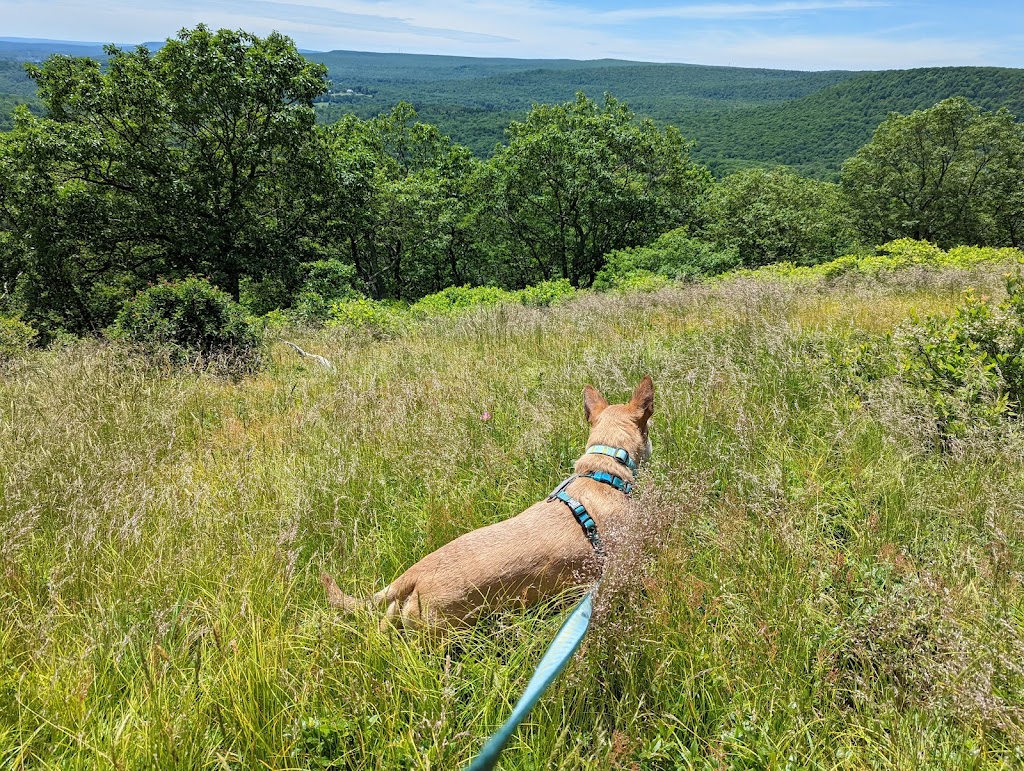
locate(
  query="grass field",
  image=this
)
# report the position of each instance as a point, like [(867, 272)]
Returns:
[(817, 582)]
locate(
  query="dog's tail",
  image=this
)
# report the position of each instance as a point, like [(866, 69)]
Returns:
[(338, 599)]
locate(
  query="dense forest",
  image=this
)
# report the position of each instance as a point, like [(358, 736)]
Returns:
[(737, 117), (204, 157)]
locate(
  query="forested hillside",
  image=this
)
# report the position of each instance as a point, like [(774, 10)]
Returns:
[(473, 100), (15, 88), (816, 133), (739, 117)]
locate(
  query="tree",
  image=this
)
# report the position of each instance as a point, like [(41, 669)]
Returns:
[(195, 159), (770, 215), (401, 204), (580, 179), (949, 174)]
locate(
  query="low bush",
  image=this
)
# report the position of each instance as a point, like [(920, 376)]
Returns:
[(894, 255), (970, 365), (545, 293), (673, 256), (15, 337), (456, 300), (382, 318), (327, 282), (191, 322)]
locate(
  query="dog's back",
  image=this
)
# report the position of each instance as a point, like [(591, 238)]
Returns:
[(533, 555)]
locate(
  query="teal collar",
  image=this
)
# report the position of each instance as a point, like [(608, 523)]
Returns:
[(613, 452)]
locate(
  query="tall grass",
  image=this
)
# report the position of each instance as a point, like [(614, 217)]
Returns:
[(815, 585)]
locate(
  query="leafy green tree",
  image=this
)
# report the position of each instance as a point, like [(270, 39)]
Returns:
[(950, 174), (769, 215), (401, 204), (580, 179), (195, 159)]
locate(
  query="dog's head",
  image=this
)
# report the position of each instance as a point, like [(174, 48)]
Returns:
[(621, 425)]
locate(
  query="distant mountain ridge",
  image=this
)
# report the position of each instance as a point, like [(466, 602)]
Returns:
[(738, 117)]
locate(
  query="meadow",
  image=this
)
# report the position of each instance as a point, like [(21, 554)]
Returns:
[(813, 580)]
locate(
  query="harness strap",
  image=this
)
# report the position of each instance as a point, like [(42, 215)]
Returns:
[(617, 482), (579, 511), (621, 455)]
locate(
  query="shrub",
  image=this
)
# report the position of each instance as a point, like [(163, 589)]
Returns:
[(971, 364), (545, 293), (382, 318), (769, 215), (894, 255), (326, 282), (15, 337), (456, 300), (191, 322), (672, 256)]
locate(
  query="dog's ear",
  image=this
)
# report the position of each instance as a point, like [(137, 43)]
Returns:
[(642, 402), (593, 404)]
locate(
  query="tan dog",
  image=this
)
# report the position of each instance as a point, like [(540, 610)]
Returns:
[(535, 554)]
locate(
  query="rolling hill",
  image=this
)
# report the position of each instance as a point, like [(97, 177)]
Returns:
[(738, 117)]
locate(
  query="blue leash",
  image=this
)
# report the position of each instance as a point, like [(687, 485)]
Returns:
[(568, 639)]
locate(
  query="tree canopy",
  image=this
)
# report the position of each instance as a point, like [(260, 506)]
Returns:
[(950, 174), (190, 160), (580, 179)]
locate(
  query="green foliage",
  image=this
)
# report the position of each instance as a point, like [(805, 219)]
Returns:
[(15, 337), (774, 215), (198, 158), (579, 180), (949, 174), (892, 256), (191, 322), (457, 300), (545, 293), (672, 256), (400, 197), (327, 281), (382, 318), (970, 365)]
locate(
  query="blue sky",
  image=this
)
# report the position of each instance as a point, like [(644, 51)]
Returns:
[(789, 34)]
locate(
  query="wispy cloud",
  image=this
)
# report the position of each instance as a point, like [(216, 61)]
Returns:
[(840, 52), (725, 11), (302, 13)]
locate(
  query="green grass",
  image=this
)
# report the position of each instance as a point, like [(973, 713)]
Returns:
[(818, 586)]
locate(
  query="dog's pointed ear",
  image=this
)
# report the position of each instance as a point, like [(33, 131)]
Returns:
[(643, 400), (593, 404)]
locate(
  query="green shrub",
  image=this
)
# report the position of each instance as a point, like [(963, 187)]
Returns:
[(969, 365), (545, 293), (382, 318), (191, 322), (456, 300), (672, 256), (326, 282), (15, 337), (894, 255)]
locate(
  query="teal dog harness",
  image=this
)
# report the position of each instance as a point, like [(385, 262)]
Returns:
[(579, 511)]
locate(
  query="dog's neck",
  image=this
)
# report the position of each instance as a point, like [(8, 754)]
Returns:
[(592, 462)]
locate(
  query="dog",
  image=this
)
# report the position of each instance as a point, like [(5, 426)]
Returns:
[(549, 547)]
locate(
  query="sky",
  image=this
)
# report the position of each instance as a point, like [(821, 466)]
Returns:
[(784, 34)]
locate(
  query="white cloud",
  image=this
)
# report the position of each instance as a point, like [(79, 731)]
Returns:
[(726, 11), (849, 52)]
